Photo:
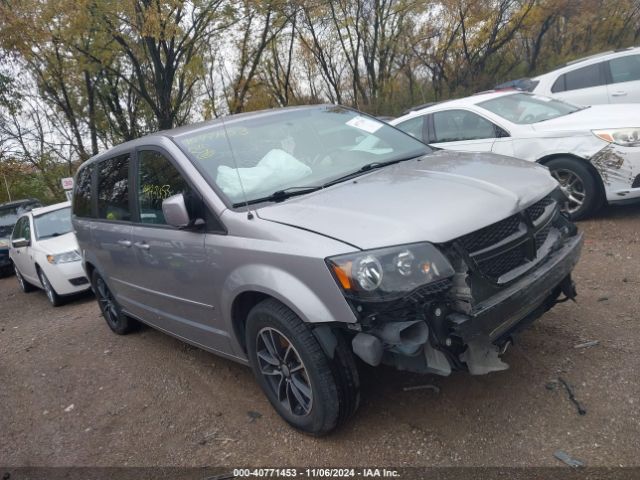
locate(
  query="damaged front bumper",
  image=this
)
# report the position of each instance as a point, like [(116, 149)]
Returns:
[(490, 327), (619, 168), (467, 322)]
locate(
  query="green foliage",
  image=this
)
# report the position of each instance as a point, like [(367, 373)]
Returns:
[(24, 182)]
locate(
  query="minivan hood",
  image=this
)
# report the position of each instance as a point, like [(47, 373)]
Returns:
[(593, 118), (437, 198)]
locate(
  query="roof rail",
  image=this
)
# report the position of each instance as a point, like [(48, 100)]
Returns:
[(596, 55), (590, 57)]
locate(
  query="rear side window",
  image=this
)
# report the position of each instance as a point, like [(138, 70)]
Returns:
[(157, 179), (113, 189), (625, 69), (585, 77), (456, 125), (82, 193)]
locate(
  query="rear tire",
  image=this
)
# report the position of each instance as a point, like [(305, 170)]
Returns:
[(312, 392), (55, 299), (110, 308), (579, 184)]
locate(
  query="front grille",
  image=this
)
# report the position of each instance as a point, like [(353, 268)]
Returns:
[(542, 235), (521, 248), (503, 263), (537, 209), (487, 236)]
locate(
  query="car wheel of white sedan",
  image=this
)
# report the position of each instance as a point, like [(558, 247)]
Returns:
[(54, 298), (578, 184), (25, 286)]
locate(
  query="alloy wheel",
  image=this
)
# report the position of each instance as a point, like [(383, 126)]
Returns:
[(282, 367), (48, 289), (23, 286), (572, 186), (107, 302)]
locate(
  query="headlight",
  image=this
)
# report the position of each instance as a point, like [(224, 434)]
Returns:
[(66, 257), (627, 137), (388, 273)]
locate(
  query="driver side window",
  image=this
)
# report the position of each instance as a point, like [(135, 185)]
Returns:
[(158, 179), (458, 125), (22, 230)]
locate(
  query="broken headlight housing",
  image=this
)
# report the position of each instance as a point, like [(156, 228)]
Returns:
[(627, 137), (388, 273)]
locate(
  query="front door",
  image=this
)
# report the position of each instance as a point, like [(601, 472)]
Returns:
[(173, 277), (467, 131), (22, 256)]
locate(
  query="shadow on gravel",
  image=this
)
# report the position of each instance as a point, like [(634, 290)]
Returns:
[(611, 212)]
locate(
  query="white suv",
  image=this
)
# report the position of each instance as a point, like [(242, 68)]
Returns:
[(610, 77)]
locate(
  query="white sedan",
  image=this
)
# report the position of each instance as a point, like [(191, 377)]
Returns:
[(593, 152), (44, 252)]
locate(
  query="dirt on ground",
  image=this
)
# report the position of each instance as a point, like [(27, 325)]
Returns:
[(73, 393)]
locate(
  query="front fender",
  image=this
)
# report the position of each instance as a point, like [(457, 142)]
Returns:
[(303, 300)]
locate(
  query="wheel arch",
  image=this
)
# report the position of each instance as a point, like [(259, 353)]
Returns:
[(89, 268), (596, 175), (240, 308), (250, 284)]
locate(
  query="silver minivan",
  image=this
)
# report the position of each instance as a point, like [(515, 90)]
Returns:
[(302, 241)]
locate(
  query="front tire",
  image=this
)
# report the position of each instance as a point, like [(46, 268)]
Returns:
[(54, 298), (110, 308), (312, 392), (579, 184), (25, 286)]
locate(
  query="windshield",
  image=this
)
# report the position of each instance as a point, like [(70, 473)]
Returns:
[(53, 224), (293, 149), (526, 108), (8, 218)]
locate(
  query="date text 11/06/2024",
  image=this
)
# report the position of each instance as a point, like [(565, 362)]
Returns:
[(316, 472)]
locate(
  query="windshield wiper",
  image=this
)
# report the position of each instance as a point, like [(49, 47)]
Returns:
[(368, 167), (280, 195), (289, 192)]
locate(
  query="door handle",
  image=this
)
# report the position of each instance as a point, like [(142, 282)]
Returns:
[(142, 245), (619, 94), (124, 243)]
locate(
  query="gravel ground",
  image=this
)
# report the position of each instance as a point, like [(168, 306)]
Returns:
[(72, 393)]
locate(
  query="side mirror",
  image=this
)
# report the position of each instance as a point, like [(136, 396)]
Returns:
[(175, 211), (20, 242)]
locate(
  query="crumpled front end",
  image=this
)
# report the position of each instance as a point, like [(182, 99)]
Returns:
[(506, 276), (619, 168)]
